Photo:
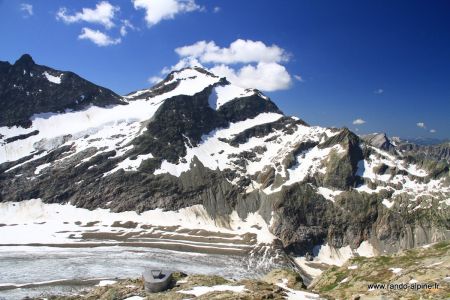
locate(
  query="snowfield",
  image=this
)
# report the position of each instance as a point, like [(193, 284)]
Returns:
[(32, 221)]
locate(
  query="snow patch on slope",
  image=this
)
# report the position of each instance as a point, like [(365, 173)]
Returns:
[(327, 193), (338, 256), (387, 203), (41, 167), (130, 164), (223, 94), (38, 222), (53, 79)]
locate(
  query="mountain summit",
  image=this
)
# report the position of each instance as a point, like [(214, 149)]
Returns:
[(27, 89), (195, 140), (25, 61)]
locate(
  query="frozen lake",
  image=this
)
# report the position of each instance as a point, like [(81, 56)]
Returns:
[(70, 269)]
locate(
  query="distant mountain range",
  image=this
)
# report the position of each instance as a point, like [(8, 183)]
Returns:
[(425, 141), (431, 151), (196, 139)]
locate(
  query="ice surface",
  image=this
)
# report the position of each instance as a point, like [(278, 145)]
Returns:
[(26, 264)]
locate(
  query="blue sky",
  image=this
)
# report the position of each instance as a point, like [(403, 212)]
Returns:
[(382, 64)]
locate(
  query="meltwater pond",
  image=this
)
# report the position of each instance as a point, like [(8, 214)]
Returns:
[(36, 271)]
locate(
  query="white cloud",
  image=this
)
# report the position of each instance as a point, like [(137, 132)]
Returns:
[(421, 124), (378, 91), (239, 51), (298, 78), (155, 79), (183, 63), (158, 10), (358, 121), (432, 130), (264, 76), (27, 9), (97, 37), (125, 26), (216, 9), (245, 63), (259, 65), (103, 14)]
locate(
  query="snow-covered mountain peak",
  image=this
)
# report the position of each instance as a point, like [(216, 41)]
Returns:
[(188, 73), (192, 80), (187, 81)]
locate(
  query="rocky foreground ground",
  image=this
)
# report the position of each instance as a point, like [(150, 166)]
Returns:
[(421, 273), (278, 284)]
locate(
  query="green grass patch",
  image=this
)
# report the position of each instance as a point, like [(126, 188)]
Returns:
[(329, 287)]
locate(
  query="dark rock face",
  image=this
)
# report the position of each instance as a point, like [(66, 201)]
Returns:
[(305, 219), (284, 123), (299, 224), (21, 136), (341, 170), (246, 107), (25, 90)]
